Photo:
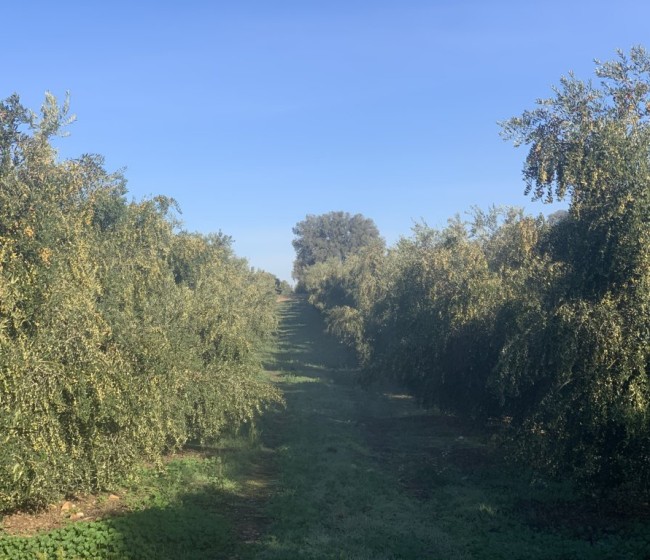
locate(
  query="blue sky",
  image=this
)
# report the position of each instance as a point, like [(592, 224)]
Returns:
[(252, 114)]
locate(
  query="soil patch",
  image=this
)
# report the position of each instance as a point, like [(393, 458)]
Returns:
[(74, 510)]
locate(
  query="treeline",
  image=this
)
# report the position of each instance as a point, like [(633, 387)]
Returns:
[(539, 324), (121, 337)]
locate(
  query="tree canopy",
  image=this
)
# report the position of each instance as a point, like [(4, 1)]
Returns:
[(335, 235)]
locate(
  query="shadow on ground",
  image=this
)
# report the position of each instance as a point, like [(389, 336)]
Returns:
[(334, 500)]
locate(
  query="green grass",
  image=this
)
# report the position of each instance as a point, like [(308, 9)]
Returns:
[(166, 524), (344, 473), (333, 498), (183, 510)]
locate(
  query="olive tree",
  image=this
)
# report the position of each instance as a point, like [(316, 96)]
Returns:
[(580, 368)]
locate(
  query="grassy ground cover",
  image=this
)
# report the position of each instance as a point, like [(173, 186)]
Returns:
[(341, 473), (182, 510)]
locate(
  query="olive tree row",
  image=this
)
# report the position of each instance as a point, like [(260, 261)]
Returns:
[(540, 323), (121, 338)]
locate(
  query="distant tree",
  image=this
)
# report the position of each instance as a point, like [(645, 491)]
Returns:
[(335, 235), (282, 287), (556, 217)]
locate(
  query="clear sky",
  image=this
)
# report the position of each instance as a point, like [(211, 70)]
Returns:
[(252, 114)]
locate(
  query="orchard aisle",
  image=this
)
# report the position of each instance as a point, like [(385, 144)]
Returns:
[(337, 494)]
